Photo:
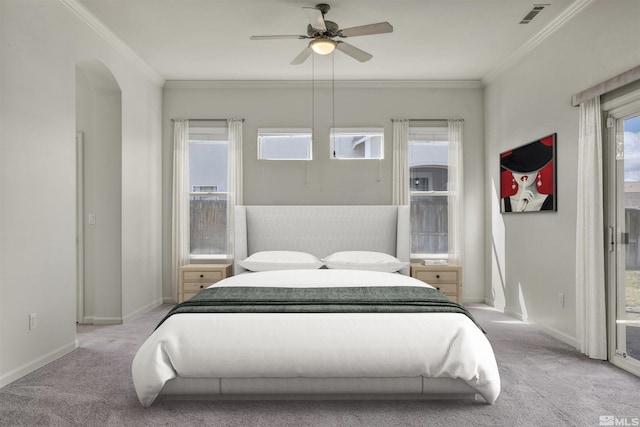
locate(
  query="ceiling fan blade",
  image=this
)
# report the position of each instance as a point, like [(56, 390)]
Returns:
[(353, 51), (278, 37), (365, 30), (315, 18), (302, 56)]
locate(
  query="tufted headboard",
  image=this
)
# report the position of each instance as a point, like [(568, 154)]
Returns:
[(321, 230)]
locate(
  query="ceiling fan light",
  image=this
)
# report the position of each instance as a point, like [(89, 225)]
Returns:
[(323, 45)]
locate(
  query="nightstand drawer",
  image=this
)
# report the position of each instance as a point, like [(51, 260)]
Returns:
[(188, 295), (432, 277), (202, 276), (194, 287), (447, 288), (454, 298)]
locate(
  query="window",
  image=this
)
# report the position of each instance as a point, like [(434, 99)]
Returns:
[(357, 143), (208, 196), (204, 188), (284, 144), (428, 188)]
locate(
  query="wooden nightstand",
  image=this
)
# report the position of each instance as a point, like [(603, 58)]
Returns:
[(196, 277), (446, 278)]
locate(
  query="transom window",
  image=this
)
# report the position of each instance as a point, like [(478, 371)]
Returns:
[(357, 143), (284, 144)]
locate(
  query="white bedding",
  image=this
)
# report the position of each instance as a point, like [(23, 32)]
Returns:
[(316, 345)]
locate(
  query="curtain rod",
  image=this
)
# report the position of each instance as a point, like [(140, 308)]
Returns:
[(607, 86), (206, 120)]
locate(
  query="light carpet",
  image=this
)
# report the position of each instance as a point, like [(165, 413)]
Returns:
[(544, 383)]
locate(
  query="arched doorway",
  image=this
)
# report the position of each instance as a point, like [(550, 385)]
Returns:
[(99, 130)]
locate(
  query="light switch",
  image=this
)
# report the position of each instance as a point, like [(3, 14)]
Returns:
[(92, 219)]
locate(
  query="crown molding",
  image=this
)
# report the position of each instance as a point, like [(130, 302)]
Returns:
[(576, 7), (105, 33), (322, 84)]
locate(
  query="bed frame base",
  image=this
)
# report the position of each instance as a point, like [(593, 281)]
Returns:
[(310, 396), (417, 388)]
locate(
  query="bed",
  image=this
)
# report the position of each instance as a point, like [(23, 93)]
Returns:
[(339, 352)]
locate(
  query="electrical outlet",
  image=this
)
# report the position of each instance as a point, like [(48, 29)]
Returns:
[(92, 219), (32, 321), (561, 300)]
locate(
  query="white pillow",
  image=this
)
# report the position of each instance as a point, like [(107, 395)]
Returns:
[(280, 260), (364, 260)]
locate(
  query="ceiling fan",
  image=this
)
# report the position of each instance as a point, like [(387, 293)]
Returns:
[(323, 33)]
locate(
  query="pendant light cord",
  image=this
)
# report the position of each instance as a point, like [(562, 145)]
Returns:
[(333, 102), (313, 115), (333, 90)]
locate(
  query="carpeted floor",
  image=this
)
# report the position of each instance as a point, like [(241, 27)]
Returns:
[(544, 383)]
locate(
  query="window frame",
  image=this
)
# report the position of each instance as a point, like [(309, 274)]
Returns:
[(618, 106)]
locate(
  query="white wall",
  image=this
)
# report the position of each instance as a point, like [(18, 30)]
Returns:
[(531, 257), (42, 41), (329, 181)]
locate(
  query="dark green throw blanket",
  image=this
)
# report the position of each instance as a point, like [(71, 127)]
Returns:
[(375, 299)]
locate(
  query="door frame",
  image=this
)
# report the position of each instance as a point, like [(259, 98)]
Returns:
[(79, 227), (614, 111)]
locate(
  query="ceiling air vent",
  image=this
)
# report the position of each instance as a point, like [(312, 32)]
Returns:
[(537, 8)]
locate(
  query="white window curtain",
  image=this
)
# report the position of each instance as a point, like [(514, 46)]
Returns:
[(235, 187), (180, 209), (591, 320), (400, 194), (455, 188)]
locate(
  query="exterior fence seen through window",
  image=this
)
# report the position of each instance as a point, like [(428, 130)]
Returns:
[(429, 225), (208, 224)]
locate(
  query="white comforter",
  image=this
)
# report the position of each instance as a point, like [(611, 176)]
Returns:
[(316, 345)]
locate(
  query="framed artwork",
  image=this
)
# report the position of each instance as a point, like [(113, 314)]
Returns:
[(528, 177)]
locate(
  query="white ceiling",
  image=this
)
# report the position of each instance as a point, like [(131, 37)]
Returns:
[(432, 39)]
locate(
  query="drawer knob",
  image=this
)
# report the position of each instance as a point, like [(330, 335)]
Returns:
[(202, 275), (437, 276), (201, 286), (438, 288)]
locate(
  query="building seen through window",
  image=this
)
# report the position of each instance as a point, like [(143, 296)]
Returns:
[(357, 143)]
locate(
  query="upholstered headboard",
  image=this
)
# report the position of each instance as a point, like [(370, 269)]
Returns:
[(321, 230)]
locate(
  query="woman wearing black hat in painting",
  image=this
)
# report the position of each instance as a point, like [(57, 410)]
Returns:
[(531, 174)]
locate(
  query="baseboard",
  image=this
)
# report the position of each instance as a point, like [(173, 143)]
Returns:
[(92, 320), (38, 363), (491, 303), (513, 314), (561, 336), (138, 312), (169, 300), (567, 339)]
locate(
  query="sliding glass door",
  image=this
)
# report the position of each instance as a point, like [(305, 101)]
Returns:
[(623, 146)]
